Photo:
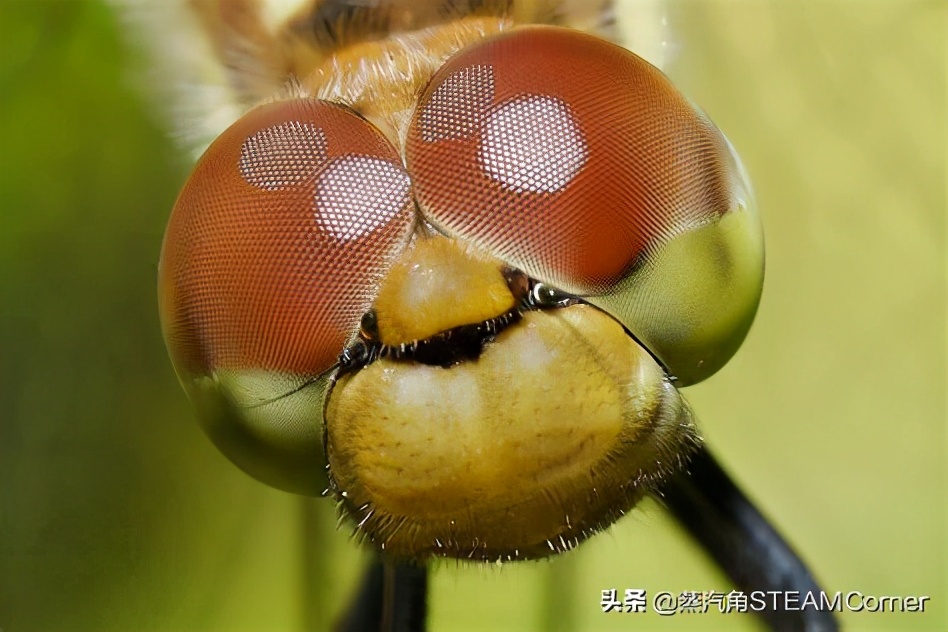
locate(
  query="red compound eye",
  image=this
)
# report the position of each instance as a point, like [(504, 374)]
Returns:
[(580, 163), (278, 241), (565, 155)]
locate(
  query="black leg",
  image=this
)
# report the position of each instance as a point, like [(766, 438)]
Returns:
[(392, 598), (721, 518)]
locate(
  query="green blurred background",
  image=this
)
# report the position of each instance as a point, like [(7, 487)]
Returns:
[(116, 513)]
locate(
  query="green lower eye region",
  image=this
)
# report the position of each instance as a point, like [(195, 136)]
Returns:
[(695, 299), (267, 423)]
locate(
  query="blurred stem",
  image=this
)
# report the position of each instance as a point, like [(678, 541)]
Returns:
[(560, 594), (393, 597), (314, 566)]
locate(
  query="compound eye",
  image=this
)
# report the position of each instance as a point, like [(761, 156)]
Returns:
[(274, 250), (579, 163)]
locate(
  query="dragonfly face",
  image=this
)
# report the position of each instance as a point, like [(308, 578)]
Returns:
[(453, 275)]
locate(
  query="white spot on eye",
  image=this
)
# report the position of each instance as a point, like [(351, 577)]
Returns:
[(533, 144), (357, 194), (283, 155), (458, 106)]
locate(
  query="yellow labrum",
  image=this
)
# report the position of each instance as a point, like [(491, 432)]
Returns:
[(436, 285), (559, 427)]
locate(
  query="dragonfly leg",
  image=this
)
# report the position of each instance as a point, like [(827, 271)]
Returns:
[(392, 598), (739, 538)]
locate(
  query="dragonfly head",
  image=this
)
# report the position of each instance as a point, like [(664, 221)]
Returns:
[(479, 332)]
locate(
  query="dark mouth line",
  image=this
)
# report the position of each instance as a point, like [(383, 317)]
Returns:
[(466, 342), (445, 349), (455, 345)]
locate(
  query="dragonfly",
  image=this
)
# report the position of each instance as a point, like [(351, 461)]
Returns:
[(450, 263)]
